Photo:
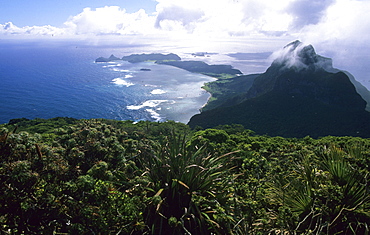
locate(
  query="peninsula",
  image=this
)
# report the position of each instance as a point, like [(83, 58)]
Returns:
[(171, 59)]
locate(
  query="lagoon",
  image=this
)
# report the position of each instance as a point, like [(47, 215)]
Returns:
[(42, 81)]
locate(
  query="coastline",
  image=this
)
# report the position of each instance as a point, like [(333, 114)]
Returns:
[(216, 72)]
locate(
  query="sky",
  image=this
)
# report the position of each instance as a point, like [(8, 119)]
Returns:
[(40, 12), (336, 28)]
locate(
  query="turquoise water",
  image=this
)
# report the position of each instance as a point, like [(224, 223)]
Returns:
[(38, 81)]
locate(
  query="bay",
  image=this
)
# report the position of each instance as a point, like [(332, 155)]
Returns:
[(43, 81)]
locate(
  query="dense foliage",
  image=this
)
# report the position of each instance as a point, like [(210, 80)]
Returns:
[(68, 176)]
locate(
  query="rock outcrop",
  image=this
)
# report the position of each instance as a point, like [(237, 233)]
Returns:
[(103, 59)]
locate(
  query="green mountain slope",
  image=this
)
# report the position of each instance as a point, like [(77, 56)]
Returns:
[(226, 92), (295, 97)]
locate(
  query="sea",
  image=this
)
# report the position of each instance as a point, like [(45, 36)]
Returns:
[(46, 81)]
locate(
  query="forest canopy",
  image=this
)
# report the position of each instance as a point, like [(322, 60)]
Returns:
[(64, 175)]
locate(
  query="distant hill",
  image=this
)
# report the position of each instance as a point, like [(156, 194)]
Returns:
[(300, 94), (136, 58), (219, 70), (103, 59), (204, 68)]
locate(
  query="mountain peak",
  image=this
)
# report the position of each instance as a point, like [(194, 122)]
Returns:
[(299, 56), (300, 94), (293, 44)]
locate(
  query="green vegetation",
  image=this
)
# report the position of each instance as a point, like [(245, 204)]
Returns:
[(203, 68), (136, 58), (287, 103), (227, 90), (307, 97), (68, 176)]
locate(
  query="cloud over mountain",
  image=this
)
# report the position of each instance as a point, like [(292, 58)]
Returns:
[(300, 56)]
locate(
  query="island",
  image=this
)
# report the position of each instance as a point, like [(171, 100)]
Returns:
[(218, 71), (109, 59), (136, 58)]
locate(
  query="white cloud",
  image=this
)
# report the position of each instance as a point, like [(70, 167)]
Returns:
[(178, 18), (346, 20), (324, 22), (10, 29), (110, 20), (306, 12), (290, 55), (193, 17), (343, 34), (226, 17), (313, 20)]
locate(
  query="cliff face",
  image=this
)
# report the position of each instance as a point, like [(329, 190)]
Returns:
[(299, 71), (329, 88), (295, 97)]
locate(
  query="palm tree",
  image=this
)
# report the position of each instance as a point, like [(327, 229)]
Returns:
[(188, 187), (325, 193)]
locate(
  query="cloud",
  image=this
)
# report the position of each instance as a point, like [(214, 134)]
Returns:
[(289, 55), (10, 29), (307, 12), (343, 34), (346, 20), (110, 20), (300, 56), (193, 17), (172, 17), (99, 21), (309, 20), (225, 17)]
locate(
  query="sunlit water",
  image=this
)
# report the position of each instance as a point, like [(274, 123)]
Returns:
[(45, 82)]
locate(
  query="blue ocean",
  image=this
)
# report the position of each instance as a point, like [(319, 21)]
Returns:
[(45, 81)]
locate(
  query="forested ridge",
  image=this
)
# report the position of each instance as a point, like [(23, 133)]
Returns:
[(300, 94), (97, 176)]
